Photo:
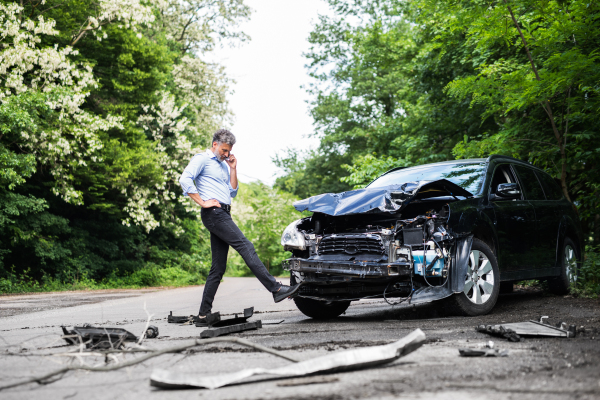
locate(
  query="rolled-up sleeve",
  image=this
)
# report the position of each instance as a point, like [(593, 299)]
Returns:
[(232, 191), (190, 173)]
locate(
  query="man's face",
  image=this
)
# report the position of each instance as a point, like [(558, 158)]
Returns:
[(221, 150)]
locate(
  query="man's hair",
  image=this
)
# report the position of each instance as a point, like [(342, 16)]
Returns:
[(224, 136)]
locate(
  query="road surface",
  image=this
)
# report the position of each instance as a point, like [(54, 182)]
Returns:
[(549, 368)]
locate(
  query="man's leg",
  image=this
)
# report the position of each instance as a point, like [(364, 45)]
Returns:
[(219, 250), (220, 223)]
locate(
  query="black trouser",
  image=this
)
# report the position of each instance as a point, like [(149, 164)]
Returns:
[(224, 233)]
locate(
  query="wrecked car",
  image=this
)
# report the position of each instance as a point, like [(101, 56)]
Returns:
[(454, 231)]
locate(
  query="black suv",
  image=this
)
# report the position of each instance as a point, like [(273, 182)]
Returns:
[(453, 230)]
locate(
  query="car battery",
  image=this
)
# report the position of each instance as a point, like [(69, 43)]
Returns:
[(437, 267)]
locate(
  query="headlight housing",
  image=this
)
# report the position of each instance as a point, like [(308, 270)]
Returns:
[(292, 237)]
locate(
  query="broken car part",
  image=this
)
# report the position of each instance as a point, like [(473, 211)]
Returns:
[(99, 338), (340, 361), (533, 328), (455, 229), (500, 331), (238, 323), (483, 352)]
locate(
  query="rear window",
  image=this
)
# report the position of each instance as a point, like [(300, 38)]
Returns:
[(530, 183), (551, 188), (468, 176)]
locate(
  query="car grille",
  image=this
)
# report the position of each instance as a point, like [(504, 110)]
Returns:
[(351, 244)]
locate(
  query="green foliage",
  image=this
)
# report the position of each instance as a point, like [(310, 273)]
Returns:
[(262, 213), (89, 155), (588, 279)]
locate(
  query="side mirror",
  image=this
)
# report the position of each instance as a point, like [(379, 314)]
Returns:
[(506, 191)]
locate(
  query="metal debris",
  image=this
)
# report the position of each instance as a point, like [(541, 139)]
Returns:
[(483, 352), (272, 321), (530, 328), (340, 361), (99, 338), (500, 331), (220, 327)]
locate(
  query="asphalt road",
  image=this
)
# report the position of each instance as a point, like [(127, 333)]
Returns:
[(548, 368)]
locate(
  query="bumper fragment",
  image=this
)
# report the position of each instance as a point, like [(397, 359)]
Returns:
[(360, 269)]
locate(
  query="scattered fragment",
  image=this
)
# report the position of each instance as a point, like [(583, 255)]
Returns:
[(99, 338), (339, 361), (151, 332), (226, 330), (483, 352), (500, 331), (308, 381), (181, 319), (272, 321), (220, 327), (529, 328)]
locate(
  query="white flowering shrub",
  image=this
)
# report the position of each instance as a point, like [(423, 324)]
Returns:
[(70, 139)]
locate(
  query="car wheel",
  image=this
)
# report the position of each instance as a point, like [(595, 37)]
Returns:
[(482, 282), (568, 272), (321, 309)]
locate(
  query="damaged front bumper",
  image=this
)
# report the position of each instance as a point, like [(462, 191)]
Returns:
[(350, 269)]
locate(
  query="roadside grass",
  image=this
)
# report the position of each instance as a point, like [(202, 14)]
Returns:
[(148, 277), (588, 276)]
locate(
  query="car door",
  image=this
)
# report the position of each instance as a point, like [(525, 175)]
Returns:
[(514, 220), (544, 246), (553, 212)]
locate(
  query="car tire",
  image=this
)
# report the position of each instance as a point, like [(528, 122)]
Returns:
[(482, 286), (568, 268), (321, 309)]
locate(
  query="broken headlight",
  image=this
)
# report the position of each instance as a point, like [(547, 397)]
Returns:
[(292, 237)]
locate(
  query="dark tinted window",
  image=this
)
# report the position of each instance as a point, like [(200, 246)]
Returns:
[(467, 176), (530, 183), (551, 188), (502, 174)]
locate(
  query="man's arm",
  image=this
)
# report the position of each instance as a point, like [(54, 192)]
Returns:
[(232, 162), (204, 204), (186, 181)]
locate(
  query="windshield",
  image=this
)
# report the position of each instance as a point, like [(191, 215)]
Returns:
[(468, 176)]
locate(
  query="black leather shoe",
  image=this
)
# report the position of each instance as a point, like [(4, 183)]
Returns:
[(200, 321), (284, 292)]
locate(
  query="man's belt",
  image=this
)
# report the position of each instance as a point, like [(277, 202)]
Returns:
[(226, 207)]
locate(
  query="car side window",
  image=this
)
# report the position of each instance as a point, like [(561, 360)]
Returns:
[(530, 183), (502, 174), (551, 188)]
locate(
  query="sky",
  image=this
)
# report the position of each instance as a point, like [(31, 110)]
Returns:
[(271, 113)]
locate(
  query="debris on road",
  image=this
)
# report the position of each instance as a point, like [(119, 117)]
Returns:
[(43, 379), (341, 361), (220, 327), (311, 380), (272, 321), (483, 352), (99, 338), (180, 319), (514, 330), (500, 331)]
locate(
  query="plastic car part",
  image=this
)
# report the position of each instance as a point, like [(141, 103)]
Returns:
[(151, 332), (533, 328), (180, 319), (98, 338), (340, 361), (225, 330)]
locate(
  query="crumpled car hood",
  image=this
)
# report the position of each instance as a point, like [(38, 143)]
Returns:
[(384, 199)]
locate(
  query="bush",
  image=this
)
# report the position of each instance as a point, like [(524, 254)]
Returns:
[(588, 279)]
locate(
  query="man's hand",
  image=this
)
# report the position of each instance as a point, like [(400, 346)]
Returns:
[(211, 203), (204, 204), (232, 162)]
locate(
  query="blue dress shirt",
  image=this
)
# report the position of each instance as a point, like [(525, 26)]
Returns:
[(209, 177)]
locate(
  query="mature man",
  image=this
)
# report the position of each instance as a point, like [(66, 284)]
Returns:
[(208, 182)]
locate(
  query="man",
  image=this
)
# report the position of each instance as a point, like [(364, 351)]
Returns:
[(208, 182)]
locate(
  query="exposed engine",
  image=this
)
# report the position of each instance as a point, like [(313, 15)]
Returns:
[(415, 246)]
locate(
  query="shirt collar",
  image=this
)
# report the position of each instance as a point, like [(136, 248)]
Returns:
[(210, 154)]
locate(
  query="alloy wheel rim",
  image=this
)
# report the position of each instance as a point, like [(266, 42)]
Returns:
[(480, 280), (570, 263)]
